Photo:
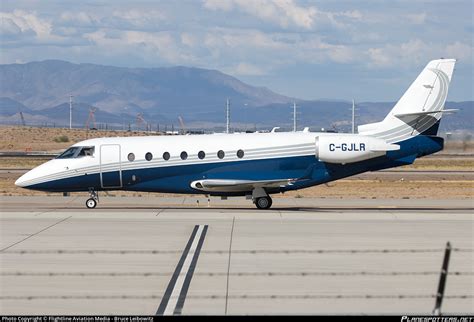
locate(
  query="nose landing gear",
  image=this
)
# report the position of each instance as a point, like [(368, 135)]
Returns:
[(91, 203), (93, 200)]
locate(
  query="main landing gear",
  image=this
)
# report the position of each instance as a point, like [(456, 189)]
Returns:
[(261, 199), (93, 200), (263, 202)]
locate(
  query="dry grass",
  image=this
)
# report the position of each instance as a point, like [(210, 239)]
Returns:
[(49, 139), (21, 162), (375, 189), (17, 138), (440, 163)]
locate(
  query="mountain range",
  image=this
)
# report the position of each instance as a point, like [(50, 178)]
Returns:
[(41, 91)]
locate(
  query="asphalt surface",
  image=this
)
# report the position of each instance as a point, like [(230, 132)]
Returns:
[(175, 256)]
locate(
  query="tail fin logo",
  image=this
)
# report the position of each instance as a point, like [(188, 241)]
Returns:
[(443, 91), (419, 124)]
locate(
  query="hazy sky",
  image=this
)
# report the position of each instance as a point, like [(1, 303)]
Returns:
[(367, 50)]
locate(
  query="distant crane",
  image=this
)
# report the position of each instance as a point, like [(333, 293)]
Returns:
[(22, 119), (90, 118), (181, 122), (140, 120)]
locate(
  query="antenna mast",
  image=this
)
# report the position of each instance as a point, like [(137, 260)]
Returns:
[(353, 116), (294, 116), (70, 111), (181, 122), (227, 112), (139, 121)]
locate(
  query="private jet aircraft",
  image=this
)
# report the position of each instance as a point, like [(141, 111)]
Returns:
[(255, 165)]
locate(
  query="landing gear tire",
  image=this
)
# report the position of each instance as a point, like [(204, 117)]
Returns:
[(91, 203), (263, 202)]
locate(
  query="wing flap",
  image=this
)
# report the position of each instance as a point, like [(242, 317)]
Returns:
[(231, 185)]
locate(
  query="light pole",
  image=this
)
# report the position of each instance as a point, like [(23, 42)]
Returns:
[(70, 111)]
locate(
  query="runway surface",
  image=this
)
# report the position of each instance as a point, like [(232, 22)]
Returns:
[(175, 256)]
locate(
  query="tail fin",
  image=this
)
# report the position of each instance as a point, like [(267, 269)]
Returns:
[(420, 109)]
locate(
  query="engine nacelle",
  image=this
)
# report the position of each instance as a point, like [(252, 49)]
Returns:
[(347, 148)]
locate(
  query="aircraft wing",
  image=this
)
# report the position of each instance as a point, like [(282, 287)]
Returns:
[(230, 185)]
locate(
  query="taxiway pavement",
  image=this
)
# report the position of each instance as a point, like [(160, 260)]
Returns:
[(304, 256)]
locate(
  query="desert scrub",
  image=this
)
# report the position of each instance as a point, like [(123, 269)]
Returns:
[(61, 139)]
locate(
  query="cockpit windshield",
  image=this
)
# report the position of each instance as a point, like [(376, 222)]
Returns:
[(77, 152), (86, 151)]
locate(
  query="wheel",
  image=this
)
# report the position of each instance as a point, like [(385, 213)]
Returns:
[(263, 202), (91, 203)]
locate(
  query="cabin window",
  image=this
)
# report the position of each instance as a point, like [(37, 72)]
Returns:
[(166, 156), (201, 155), (240, 154), (220, 154), (183, 155), (148, 156), (131, 157)]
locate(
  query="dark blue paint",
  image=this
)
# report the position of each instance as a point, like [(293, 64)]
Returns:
[(111, 179)]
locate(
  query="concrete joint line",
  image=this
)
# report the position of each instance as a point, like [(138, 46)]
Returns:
[(34, 234)]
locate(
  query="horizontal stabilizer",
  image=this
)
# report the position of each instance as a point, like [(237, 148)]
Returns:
[(426, 113)]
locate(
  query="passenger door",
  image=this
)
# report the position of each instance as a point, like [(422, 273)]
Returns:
[(110, 166)]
